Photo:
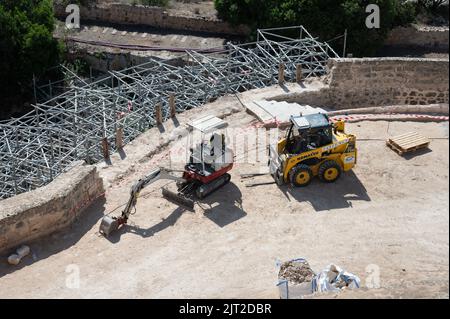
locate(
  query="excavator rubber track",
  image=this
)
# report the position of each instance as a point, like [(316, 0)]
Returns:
[(207, 189)]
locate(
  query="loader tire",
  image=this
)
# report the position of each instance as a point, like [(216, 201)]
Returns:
[(329, 172), (301, 175)]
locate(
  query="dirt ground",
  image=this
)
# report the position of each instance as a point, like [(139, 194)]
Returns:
[(142, 36), (390, 213), (105, 33), (165, 41), (193, 8), (203, 8)]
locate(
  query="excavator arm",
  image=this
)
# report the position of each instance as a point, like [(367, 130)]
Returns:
[(110, 224)]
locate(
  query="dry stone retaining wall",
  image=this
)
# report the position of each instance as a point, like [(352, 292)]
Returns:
[(355, 83), (376, 82), (31, 215), (152, 16)]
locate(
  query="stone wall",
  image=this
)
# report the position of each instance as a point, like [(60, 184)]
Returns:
[(319, 97), (431, 38), (43, 211), (107, 61), (355, 83), (375, 82), (152, 16)]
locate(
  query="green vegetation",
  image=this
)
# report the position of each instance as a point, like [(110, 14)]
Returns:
[(433, 12), (326, 19), (79, 66), (27, 47), (432, 5)]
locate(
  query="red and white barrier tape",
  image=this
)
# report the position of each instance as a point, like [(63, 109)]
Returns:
[(386, 116)]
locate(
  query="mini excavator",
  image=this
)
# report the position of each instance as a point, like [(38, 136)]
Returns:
[(205, 173)]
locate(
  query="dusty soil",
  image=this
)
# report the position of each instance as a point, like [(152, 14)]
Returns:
[(147, 36), (164, 40), (193, 8), (428, 53), (129, 35), (203, 8), (390, 213)]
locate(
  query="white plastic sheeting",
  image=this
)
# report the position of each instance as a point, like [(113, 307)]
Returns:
[(332, 279)]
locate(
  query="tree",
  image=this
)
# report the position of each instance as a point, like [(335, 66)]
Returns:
[(432, 5), (326, 19), (27, 47)]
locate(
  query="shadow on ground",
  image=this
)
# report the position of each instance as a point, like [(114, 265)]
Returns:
[(225, 206), (148, 232), (324, 196), (410, 156), (59, 241), (222, 207)]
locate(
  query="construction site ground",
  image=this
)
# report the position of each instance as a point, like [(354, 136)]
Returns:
[(390, 212)]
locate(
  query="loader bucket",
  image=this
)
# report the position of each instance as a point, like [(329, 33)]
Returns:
[(108, 225), (178, 198)]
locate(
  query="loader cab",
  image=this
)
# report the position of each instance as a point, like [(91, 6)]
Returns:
[(308, 132)]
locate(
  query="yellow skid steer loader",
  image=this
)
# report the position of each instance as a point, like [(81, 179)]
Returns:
[(313, 146)]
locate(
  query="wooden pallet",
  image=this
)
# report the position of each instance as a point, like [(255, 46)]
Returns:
[(407, 143)]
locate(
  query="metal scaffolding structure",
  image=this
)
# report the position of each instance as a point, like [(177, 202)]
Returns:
[(88, 121)]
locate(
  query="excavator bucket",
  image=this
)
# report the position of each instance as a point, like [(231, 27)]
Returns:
[(108, 225), (178, 198)]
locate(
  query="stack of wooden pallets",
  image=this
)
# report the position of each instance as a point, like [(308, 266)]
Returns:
[(408, 142)]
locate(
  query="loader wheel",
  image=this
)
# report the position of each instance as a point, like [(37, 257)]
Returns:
[(301, 175), (329, 171)]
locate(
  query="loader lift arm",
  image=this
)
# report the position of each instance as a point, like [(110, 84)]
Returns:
[(110, 224)]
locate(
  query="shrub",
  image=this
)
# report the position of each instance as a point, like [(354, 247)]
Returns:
[(432, 5), (323, 18), (27, 46)]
